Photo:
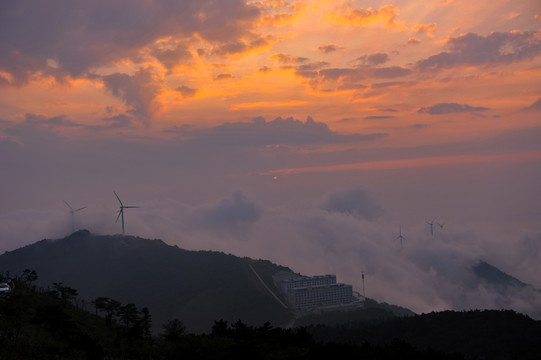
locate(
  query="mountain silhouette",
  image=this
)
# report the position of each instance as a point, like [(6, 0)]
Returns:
[(196, 287)]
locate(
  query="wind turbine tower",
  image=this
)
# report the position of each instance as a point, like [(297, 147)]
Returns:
[(431, 226), (400, 236), (72, 212), (121, 211)]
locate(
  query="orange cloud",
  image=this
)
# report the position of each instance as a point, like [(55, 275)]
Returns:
[(266, 104), (428, 29), (362, 17), (422, 28), (330, 48)]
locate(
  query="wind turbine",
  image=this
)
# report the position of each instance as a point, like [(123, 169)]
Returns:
[(441, 225), (431, 226), (400, 236), (72, 212), (121, 211)]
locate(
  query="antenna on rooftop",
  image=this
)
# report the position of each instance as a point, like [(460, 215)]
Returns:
[(364, 292), (121, 211), (72, 212)]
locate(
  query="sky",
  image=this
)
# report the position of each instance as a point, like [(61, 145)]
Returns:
[(308, 133)]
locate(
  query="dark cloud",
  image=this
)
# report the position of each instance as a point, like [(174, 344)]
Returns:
[(332, 79), (389, 72), (377, 89), (334, 74), (330, 48), (186, 91), (172, 57), (80, 36), (288, 59), (356, 201), (496, 48), (312, 66), (223, 76), (536, 106), (59, 120), (374, 59), (259, 132), (138, 91), (120, 121), (240, 46), (450, 108)]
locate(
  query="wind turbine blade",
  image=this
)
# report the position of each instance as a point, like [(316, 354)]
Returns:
[(119, 213), (84, 207), (118, 198), (131, 207), (65, 202)]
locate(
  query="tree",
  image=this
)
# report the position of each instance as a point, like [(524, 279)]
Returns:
[(65, 293), (220, 328), (146, 322), (173, 330), (111, 308), (129, 314), (100, 303), (29, 276)]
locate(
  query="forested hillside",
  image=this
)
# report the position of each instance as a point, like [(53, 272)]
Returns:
[(41, 325), (197, 286)]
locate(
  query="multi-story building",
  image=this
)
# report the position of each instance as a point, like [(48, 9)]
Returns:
[(303, 292), (305, 281), (320, 296)]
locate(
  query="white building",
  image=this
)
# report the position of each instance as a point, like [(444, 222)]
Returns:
[(303, 292), (320, 296), (305, 281)]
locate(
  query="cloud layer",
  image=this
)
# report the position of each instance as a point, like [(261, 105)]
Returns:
[(450, 108)]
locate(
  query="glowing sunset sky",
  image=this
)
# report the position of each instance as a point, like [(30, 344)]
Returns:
[(273, 128)]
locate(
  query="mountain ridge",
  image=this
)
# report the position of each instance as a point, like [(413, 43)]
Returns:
[(172, 282)]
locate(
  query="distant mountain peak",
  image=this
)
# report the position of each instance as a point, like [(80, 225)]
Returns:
[(495, 276)]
